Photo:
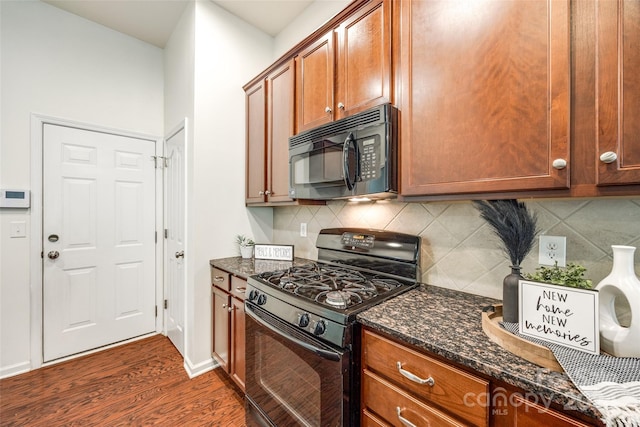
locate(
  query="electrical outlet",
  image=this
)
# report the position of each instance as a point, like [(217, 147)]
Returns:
[(552, 249), (303, 229)]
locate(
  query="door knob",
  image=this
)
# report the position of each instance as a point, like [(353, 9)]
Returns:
[(180, 254), (53, 254)]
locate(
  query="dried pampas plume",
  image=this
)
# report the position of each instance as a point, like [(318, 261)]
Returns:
[(513, 223)]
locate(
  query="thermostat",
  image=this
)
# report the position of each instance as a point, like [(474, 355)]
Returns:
[(14, 198)]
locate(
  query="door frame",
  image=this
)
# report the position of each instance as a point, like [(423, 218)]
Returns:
[(36, 279)]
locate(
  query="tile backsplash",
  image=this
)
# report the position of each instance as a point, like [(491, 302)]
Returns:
[(459, 250)]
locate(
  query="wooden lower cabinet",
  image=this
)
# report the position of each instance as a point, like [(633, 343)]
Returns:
[(228, 323), (511, 408), (400, 383), (402, 386)]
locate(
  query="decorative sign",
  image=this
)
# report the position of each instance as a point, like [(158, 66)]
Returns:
[(276, 252), (560, 314), (266, 265)]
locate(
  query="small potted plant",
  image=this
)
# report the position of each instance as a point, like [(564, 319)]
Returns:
[(246, 245), (572, 275)]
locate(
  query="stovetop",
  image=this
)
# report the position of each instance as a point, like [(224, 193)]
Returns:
[(333, 286), (356, 269)]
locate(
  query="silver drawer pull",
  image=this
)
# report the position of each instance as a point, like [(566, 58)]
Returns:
[(218, 279), (239, 289), (403, 420), (416, 379)]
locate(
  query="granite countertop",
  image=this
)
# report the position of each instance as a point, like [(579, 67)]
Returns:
[(448, 323), (245, 267)]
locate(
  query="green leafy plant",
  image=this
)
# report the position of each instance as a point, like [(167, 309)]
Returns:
[(244, 241), (572, 275)]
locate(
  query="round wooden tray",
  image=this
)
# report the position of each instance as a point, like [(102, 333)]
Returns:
[(534, 353)]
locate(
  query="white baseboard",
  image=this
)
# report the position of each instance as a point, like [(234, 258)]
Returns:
[(16, 369), (200, 368)]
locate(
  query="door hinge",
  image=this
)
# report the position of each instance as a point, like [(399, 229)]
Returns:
[(160, 161), (156, 311), (156, 237), (166, 233), (166, 304), (42, 254)]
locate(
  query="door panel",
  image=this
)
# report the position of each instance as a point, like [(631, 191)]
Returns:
[(175, 225), (99, 276)]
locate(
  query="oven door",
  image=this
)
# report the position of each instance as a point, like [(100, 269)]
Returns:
[(293, 379)]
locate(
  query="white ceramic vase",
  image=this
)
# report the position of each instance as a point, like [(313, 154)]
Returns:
[(246, 251), (616, 339)]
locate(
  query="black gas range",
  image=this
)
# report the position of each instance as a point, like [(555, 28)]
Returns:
[(309, 312)]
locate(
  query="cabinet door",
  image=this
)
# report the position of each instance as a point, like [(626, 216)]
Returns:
[(364, 60), (485, 96), (237, 342), (220, 307), (255, 145), (618, 92), (530, 414), (315, 84), (280, 113)]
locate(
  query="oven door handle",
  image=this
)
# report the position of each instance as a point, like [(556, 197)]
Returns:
[(325, 354)]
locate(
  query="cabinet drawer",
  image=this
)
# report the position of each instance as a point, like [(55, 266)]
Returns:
[(397, 407), (220, 279), (238, 287), (449, 385)]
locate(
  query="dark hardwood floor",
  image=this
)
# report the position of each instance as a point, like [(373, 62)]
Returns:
[(138, 384)]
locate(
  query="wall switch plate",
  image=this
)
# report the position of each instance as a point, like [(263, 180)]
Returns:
[(18, 229), (552, 249), (303, 229)]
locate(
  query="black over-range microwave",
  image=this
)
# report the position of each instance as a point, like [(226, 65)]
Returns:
[(356, 156)]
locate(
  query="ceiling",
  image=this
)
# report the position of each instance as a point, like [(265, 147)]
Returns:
[(153, 21)]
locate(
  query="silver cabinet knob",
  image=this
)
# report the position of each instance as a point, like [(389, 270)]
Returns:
[(341, 105), (267, 193), (180, 254), (327, 109), (53, 254), (608, 157), (260, 193), (559, 163)]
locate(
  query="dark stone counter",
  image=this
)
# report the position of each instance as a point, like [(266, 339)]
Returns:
[(449, 323), (244, 268)]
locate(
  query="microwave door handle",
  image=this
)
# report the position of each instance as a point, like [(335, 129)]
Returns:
[(345, 150)]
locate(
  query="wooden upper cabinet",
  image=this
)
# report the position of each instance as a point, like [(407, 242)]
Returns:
[(485, 96), (280, 120), (364, 60), (347, 70), (314, 83), (618, 92), (270, 118), (255, 143)]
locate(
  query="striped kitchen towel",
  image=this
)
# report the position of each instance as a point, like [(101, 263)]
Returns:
[(612, 384)]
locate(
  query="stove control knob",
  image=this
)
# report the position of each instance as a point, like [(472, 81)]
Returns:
[(253, 294), (262, 299), (320, 328), (303, 320)]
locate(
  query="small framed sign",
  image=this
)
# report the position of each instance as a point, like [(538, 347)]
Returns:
[(560, 314), (274, 252)]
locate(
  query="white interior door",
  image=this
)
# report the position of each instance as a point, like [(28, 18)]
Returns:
[(98, 239), (175, 185)]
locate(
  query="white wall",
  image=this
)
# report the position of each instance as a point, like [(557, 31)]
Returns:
[(57, 64), (312, 18), (208, 59)]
